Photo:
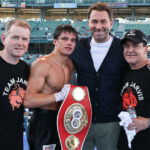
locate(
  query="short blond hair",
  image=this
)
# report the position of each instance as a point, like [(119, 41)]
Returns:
[(17, 22)]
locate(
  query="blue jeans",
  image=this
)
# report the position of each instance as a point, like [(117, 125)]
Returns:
[(102, 135)]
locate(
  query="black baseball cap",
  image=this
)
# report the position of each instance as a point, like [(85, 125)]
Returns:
[(136, 36)]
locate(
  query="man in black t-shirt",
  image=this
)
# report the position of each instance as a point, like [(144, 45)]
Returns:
[(13, 81), (135, 91)]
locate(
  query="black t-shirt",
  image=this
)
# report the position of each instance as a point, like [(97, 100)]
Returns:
[(13, 83), (136, 91)]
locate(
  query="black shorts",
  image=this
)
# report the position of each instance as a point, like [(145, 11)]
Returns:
[(42, 129)]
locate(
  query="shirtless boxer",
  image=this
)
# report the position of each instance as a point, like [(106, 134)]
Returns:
[(48, 76)]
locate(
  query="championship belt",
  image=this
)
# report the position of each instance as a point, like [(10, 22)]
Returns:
[(74, 118)]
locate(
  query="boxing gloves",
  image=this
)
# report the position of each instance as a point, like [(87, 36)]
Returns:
[(60, 96)]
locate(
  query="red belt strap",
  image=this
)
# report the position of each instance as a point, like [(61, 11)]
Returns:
[(74, 118)]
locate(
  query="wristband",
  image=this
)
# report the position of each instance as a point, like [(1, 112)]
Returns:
[(60, 96)]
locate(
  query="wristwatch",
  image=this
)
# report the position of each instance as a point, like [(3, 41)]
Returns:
[(149, 122)]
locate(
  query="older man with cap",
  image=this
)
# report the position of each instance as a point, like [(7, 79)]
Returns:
[(135, 90)]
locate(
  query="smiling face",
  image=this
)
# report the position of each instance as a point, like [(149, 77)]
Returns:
[(65, 43), (100, 25), (135, 54), (16, 42)]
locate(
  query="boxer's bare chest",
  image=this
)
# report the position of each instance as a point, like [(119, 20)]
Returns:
[(57, 77)]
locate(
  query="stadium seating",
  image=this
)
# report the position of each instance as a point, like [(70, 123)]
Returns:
[(115, 25), (42, 31), (144, 27), (30, 58), (33, 24), (82, 28), (2, 27)]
